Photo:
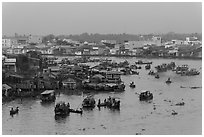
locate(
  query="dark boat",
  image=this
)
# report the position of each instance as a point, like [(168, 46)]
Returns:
[(132, 85), (111, 102), (14, 111), (139, 67), (181, 69), (148, 66), (157, 76), (134, 72), (145, 95), (190, 72), (48, 96), (62, 108), (168, 81), (151, 72), (89, 102), (140, 62)]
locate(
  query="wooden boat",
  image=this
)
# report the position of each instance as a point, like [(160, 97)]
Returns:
[(145, 95), (157, 76), (134, 72), (190, 72), (116, 87), (14, 111), (62, 108), (168, 81), (111, 102), (132, 85), (151, 72), (148, 66), (89, 102), (181, 69), (140, 62), (48, 96), (161, 68), (139, 67)]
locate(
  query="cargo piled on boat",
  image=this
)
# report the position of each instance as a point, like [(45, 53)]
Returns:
[(145, 95), (89, 102), (48, 96), (110, 102), (62, 108)]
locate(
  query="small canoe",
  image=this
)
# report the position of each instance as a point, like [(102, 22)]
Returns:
[(15, 111)]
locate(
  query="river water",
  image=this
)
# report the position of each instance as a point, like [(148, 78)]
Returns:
[(134, 116)]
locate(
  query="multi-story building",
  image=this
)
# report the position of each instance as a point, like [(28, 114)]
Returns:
[(10, 64), (6, 43)]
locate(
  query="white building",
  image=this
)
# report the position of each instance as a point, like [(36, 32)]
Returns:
[(178, 42), (157, 41), (10, 64), (6, 43)]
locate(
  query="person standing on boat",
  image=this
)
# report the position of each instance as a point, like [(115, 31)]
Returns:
[(99, 102), (168, 79), (68, 105), (20, 93), (105, 100)]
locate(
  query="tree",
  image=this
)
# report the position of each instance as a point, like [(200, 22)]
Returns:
[(22, 63), (47, 38)]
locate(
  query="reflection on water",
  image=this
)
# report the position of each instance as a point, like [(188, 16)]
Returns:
[(134, 116)]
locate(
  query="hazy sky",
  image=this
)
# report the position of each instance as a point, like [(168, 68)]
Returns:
[(104, 18)]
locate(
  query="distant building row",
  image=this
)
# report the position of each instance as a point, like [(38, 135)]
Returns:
[(9, 42)]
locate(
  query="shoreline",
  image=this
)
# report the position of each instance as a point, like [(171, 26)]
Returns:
[(147, 57)]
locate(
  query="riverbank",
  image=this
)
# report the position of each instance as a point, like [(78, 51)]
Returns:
[(139, 56)]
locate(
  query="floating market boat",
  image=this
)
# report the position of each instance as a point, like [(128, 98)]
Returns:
[(145, 95), (111, 102), (157, 76), (181, 69), (148, 66), (190, 72), (134, 72), (48, 96), (14, 111), (62, 108), (89, 102), (110, 87), (132, 85), (168, 81), (151, 72)]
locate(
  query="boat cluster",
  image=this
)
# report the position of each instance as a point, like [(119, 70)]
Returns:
[(63, 109), (184, 70), (123, 67)]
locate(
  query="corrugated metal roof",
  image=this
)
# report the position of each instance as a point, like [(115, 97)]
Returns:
[(47, 92)]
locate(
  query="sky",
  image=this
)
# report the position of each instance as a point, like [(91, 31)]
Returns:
[(104, 18)]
